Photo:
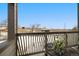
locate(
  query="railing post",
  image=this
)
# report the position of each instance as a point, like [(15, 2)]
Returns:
[(78, 40), (78, 23), (12, 12), (45, 44), (46, 41), (66, 43)]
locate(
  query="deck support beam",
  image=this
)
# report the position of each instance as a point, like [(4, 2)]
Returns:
[(78, 22), (12, 17), (46, 50), (11, 21)]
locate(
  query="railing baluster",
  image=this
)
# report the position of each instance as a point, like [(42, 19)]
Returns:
[(73, 38), (33, 43), (36, 42), (45, 44), (51, 36), (40, 42), (24, 40), (26, 44), (20, 41), (18, 46), (31, 46), (23, 44), (48, 39), (78, 40), (54, 37)]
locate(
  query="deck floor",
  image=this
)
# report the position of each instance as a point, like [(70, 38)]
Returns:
[(73, 51)]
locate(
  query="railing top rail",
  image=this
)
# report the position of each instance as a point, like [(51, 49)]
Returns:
[(47, 33)]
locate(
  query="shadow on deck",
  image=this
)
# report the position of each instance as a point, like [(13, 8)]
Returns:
[(7, 48), (73, 51)]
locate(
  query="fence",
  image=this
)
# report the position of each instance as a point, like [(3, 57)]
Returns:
[(33, 43)]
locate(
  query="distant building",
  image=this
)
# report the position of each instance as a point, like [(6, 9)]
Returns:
[(3, 33), (58, 30), (4, 30)]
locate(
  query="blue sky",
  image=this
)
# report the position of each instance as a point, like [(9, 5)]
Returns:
[(51, 15), (3, 11)]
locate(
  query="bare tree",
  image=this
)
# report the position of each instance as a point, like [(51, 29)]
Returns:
[(74, 29), (2, 24), (35, 26)]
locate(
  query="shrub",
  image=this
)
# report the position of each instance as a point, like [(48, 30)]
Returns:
[(59, 47)]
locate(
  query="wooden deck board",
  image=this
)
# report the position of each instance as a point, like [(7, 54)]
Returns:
[(73, 51), (9, 49)]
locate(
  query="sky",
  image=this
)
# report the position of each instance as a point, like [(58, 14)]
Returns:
[(3, 12), (50, 15)]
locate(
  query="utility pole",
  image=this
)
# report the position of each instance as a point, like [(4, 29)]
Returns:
[(64, 26)]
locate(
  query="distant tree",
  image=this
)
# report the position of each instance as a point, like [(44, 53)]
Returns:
[(3, 23), (74, 29), (35, 26)]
